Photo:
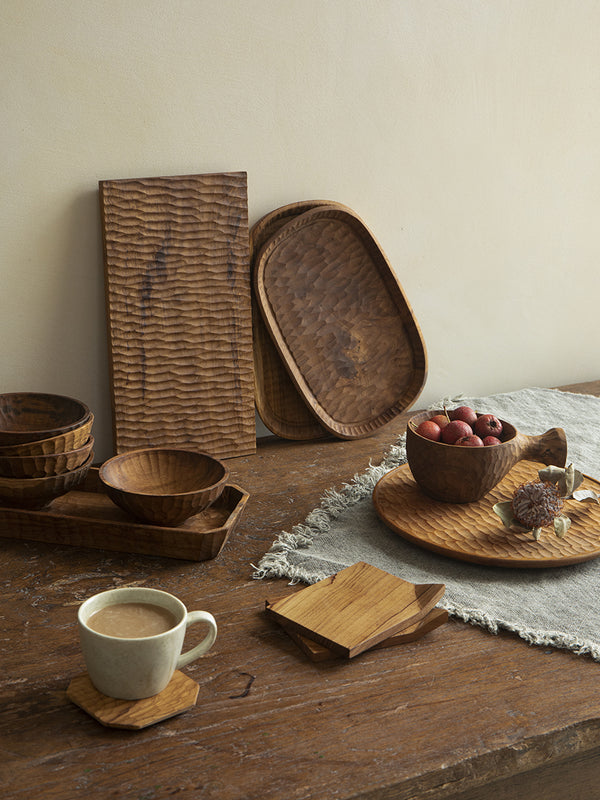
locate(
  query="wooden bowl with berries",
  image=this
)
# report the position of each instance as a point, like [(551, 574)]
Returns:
[(458, 455)]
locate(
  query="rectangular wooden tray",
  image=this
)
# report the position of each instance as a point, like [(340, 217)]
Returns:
[(87, 517)]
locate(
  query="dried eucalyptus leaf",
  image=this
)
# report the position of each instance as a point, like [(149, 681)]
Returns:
[(561, 525), (567, 485), (504, 511), (578, 480), (572, 479), (567, 479), (552, 474), (586, 494)]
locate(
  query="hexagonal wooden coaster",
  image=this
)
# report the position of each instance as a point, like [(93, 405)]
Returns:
[(179, 696)]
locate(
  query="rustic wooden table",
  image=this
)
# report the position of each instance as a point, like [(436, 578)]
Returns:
[(459, 714)]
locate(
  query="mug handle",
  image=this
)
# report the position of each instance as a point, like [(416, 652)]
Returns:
[(205, 644)]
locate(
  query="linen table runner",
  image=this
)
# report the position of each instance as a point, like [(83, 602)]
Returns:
[(550, 606)]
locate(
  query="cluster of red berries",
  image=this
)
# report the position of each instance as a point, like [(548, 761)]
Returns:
[(462, 426)]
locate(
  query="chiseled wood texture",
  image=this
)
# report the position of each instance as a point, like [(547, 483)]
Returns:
[(465, 474), (179, 312), (32, 416), (355, 609), (278, 402), (458, 712), (326, 292), (87, 517), (36, 493), (163, 485), (62, 443), (42, 466), (473, 532)]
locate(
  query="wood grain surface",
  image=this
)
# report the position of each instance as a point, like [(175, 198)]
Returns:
[(56, 444), (87, 517), (356, 608), (278, 402), (473, 532), (460, 714), (178, 696), (40, 466), (179, 312), (318, 652), (340, 321)]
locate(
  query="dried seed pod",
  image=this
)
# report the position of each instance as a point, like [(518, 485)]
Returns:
[(536, 504)]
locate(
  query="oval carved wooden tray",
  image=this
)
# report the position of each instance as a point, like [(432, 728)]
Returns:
[(473, 532), (340, 321), (278, 402)]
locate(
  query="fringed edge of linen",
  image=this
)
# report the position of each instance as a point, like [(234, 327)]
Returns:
[(274, 564), (555, 639)]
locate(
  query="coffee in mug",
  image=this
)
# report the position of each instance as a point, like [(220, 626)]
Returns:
[(132, 639), (132, 620)]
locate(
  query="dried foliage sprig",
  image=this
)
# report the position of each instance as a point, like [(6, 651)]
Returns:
[(538, 504)]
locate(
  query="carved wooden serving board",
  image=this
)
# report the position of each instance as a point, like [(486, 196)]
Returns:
[(355, 609), (473, 532), (340, 321), (278, 402), (179, 313)]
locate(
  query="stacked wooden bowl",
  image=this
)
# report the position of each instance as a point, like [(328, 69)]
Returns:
[(46, 447)]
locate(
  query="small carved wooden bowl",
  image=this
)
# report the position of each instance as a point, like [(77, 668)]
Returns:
[(163, 486), (36, 493), (456, 474), (44, 465), (71, 440), (31, 416)]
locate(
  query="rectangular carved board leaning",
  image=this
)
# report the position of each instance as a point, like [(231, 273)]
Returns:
[(177, 282)]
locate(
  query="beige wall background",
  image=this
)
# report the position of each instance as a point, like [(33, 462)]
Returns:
[(465, 133)]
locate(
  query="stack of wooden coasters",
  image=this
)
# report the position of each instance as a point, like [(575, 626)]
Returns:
[(357, 609)]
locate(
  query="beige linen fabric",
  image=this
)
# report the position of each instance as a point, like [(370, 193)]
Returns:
[(556, 606)]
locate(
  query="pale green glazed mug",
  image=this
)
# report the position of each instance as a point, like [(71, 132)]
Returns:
[(134, 668)]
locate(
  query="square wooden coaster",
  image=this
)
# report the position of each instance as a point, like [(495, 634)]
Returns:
[(317, 652), (179, 696), (355, 609)]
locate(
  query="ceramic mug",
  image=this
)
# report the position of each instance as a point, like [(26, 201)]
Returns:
[(137, 666)]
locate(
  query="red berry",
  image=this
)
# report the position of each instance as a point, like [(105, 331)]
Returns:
[(441, 420), (469, 441), (429, 430), (465, 413), (489, 441), (454, 430), (487, 425)]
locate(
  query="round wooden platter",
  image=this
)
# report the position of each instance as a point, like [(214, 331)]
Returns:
[(473, 532)]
